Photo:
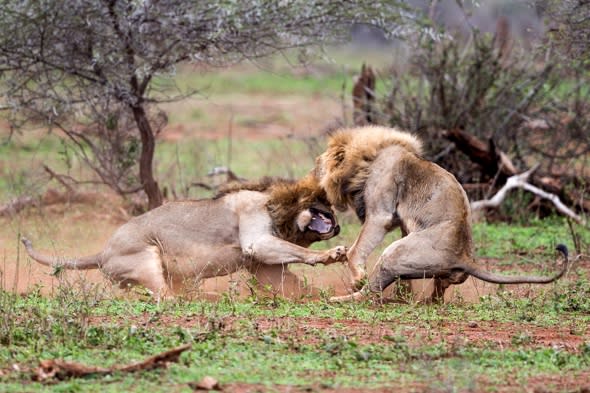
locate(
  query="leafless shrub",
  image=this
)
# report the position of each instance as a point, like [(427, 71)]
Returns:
[(569, 28), (463, 87)]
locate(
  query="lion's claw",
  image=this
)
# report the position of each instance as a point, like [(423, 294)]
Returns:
[(338, 254)]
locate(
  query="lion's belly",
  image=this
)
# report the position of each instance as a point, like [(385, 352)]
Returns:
[(202, 261)]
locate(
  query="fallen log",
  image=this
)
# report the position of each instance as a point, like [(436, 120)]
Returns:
[(496, 165), (50, 197)]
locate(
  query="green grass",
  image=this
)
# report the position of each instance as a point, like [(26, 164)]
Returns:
[(525, 243), (21, 153), (255, 82), (273, 79), (326, 74), (180, 165), (44, 328), (177, 164)]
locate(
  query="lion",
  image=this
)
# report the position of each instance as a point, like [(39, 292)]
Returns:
[(261, 227), (379, 172)]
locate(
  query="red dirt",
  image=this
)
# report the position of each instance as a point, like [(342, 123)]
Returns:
[(539, 384), (258, 388), (311, 330), (301, 331)]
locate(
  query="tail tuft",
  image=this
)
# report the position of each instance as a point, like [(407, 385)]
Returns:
[(562, 249)]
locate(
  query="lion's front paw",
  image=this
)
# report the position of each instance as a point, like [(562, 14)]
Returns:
[(338, 254)]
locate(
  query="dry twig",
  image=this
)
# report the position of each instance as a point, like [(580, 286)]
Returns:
[(59, 369)]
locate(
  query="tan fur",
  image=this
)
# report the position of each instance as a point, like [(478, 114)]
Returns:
[(258, 226), (378, 172)]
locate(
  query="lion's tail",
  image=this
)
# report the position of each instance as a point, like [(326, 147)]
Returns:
[(501, 279), (83, 263)]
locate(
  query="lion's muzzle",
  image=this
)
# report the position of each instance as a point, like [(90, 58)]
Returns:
[(322, 222)]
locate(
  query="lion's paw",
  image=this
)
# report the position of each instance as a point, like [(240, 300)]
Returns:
[(338, 254)]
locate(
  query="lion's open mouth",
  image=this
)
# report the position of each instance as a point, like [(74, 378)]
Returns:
[(321, 222)]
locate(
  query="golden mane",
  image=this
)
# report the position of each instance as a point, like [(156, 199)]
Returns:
[(345, 164)]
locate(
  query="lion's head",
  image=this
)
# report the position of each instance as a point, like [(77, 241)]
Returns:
[(300, 212)]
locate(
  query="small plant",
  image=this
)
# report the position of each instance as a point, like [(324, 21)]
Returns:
[(522, 338)]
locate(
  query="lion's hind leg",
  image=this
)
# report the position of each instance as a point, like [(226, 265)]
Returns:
[(411, 257), (141, 268), (384, 273)]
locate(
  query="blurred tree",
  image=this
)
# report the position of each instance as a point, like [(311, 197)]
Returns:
[(88, 66), (569, 27)]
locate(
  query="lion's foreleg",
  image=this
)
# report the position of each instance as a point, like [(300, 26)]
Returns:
[(271, 250), (372, 233)]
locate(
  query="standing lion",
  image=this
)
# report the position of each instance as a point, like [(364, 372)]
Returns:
[(380, 173)]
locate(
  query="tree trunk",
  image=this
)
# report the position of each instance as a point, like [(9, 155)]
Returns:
[(148, 144), (363, 97)]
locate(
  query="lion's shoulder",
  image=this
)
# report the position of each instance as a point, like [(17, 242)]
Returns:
[(265, 185)]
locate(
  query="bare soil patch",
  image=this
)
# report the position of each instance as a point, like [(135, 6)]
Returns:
[(309, 330), (538, 384), (257, 388)]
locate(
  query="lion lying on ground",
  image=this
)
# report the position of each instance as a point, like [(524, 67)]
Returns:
[(379, 172), (258, 226)]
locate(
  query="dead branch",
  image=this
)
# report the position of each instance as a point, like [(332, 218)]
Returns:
[(488, 156), (61, 370), (363, 97), (159, 360), (520, 181), (222, 170), (59, 178)]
